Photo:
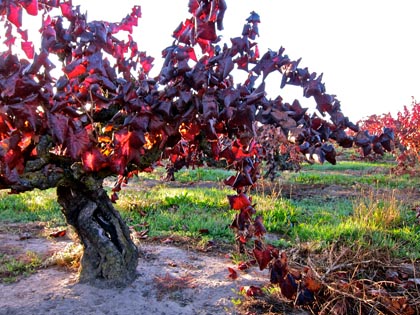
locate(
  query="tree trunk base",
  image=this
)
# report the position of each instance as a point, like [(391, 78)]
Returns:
[(110, 257)]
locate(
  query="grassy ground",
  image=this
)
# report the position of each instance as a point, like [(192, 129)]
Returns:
[(12, 268), (336, 215), (352, 202), (30, 206)]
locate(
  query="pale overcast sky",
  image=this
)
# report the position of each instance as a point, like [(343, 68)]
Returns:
[(368, 50)]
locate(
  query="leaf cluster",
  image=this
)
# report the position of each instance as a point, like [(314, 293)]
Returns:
[(407, 135)]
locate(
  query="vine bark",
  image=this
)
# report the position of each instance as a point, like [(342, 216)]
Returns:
[(110, 257)]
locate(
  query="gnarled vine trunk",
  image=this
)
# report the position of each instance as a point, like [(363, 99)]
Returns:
[(110, 257)]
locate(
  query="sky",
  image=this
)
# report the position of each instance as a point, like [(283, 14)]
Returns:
[(368, 51)]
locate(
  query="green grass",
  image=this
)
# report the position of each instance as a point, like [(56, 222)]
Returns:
[(190, 175), (373, 221), (30, 206), (351, 166), (203, 174), (11, 268), (348, 173), (179, 211)]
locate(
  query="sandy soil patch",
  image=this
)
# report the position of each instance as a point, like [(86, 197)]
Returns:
[(171, 280)]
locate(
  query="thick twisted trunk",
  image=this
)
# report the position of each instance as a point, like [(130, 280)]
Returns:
[(110, 256)]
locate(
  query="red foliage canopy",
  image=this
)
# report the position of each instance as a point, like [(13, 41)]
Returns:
[(106, 113)]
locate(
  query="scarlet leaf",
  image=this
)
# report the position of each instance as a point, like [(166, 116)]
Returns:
[(242, 62), (229, 181), (243, 265), (263, 257), (31, 6), (130, 20), (238, 202), (93, 160), (206, 30), (252, 291), (14, 14), (74, 70), (147, 63), (259, 226), (58, 124), (242, 239), (183, 33), (189, 131), (280, 275), (58, 233), (67, 10), (77, 142), (243, 118), (267, 64), (28, 48), (242, 180), (232, 273)]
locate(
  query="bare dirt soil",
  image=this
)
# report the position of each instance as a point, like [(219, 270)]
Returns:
[(171, 280)]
